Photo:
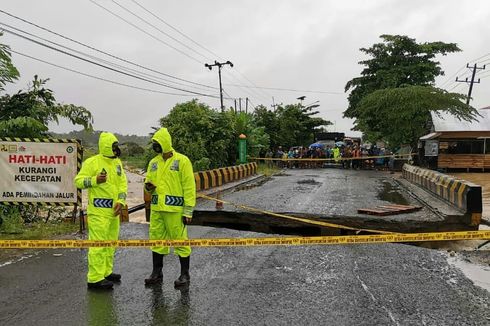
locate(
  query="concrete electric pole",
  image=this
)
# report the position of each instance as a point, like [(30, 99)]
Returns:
[(219, 65), (472, 81)]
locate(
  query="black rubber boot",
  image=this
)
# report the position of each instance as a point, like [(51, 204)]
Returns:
[(156, 276), (101, 285), (113, 277), (184, 278)]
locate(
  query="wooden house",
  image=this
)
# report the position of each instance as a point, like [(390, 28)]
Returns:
[(456, 144)]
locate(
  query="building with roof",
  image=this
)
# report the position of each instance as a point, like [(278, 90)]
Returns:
[(457, 144)]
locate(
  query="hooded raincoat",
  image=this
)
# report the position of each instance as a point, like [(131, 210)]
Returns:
[(173, 197), (103, 224)]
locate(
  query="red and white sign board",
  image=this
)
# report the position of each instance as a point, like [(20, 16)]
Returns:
[(38, 172)]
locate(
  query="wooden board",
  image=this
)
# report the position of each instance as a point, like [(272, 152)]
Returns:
[(393, 209)]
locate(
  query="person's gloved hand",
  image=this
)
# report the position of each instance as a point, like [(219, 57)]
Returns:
[(150, 187), (186, 220), (118, 209)]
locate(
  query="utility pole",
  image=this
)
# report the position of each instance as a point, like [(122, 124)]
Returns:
[(219, 65), (301, 99), (235, 107), (472, 81), (246, 105)]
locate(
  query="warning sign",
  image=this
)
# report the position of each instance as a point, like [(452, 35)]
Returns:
[(38, 172)]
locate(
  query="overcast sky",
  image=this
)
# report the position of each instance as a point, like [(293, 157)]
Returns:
[(302, 45)]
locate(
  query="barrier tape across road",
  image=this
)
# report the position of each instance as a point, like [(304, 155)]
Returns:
[(294, 218), (251, 242), (306, 159)]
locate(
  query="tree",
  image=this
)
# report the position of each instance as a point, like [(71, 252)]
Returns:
[(393, 97), (8, 72), (268, 120), (28, 113), (289, 125), (204, 135), (257, 138), (396, 62), (402, 115)]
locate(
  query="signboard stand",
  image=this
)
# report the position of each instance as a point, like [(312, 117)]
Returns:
[(40, 172)]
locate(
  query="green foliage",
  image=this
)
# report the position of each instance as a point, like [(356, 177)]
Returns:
[(199, 132), (402, 115), (393, 97), (396, 62), (289, 125), (210, 138), (28, 113), (91, 138), (8, 72), (257, 139)]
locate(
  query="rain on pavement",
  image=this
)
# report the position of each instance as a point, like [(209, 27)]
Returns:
[(382, 284)]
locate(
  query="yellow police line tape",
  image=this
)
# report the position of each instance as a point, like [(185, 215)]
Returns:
[(331, 159), (250, 242), (294, 218)]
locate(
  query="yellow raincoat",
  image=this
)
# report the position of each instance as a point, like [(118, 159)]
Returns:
[(103, 224), (174, 196)]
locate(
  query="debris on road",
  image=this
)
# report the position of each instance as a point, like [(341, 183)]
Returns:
[(389, 210)]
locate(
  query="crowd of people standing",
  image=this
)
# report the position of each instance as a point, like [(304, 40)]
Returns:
[(352, 156)]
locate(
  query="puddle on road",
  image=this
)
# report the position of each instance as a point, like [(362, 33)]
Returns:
[(309, 182), (253, 185), (392, 194), (479, 274), (282, 174)]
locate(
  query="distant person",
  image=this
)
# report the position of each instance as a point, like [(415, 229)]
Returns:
[(105, 179), (268, 157), (336, 154), (170, 181)]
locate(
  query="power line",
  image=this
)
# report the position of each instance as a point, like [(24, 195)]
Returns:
[(147, 33), (451, 78), (199, 45), (102, 60), (158, 29), (96, 77), (176, 29), (103, 52), (286, 89), (104, 66)]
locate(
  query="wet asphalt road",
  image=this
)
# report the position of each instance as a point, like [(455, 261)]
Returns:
[(385, 284), (333, 192)]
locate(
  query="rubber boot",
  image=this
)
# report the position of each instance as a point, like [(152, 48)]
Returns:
[(101, 285), (156, 274), (113, 277), (184, 278)]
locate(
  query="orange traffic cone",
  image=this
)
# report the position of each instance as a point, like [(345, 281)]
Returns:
[(219, 204)]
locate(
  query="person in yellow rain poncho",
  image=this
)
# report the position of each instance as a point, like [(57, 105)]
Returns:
[(336, 154), (170, 180), (104, 177)]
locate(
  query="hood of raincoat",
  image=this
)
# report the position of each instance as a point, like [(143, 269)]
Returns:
[(163, 137), (106, 140)]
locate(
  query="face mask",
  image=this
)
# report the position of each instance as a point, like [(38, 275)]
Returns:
[(116, 150), (157, 148)]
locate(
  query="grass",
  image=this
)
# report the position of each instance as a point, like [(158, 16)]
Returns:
[(36, 230), (267, 170), (134, 162)]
